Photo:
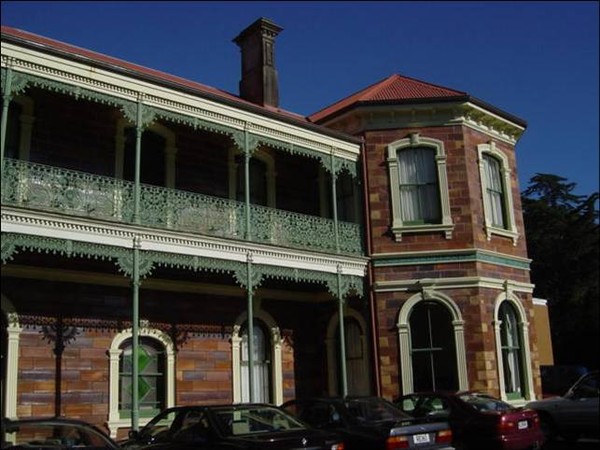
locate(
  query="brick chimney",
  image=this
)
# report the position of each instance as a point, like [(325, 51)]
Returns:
[(259, 82)]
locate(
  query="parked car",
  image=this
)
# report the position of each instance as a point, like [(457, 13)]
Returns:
[(370, 423), (478, 421), (557, 379), (573, 415), (53, 433), (244, 426)]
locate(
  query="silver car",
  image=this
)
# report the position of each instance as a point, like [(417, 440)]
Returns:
[(573, 415)]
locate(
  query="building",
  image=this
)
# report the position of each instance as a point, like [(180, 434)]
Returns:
[(210, 242)]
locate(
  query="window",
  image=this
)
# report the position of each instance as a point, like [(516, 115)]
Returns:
[(513, 356), (152, 168), (151, 389), (261, 365), (511, 347), (498, 207), (267, 361), (494, 191), (432, 343), (432, 347), (419, 187), (156, 390)]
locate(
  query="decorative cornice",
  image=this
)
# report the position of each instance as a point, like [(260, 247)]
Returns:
[(381, 117)]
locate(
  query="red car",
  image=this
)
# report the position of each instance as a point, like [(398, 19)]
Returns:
[(478, 421)]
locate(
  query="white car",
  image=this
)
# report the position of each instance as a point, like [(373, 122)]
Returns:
[(573, 415)]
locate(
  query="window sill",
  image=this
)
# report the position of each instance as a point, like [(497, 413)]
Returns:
[(398, 231), (502, 232)]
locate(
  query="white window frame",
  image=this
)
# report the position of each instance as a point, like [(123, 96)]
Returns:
[(114, 417), (510, 229), (276, 355), (523, 325), (406, 369), (398, 226)]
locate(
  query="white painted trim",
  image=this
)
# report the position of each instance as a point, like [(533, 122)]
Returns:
[(398, 227), (114, 419), (404, 338), (511, 228), (276, 345), (509, 296)]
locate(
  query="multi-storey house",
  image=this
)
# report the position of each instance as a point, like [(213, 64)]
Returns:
[(165, 242), (449, 278)]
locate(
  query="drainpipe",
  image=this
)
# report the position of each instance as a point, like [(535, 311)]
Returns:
[(6, 98), (370, 276)]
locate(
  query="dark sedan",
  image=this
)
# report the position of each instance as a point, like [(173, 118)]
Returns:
[(479, 421), (53, 434), (575, 414), (246, 426), (371, 423)]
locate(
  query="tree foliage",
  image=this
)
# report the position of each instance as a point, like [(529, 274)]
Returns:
[(562, 241)]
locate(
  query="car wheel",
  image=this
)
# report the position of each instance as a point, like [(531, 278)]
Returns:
[(548, 427)]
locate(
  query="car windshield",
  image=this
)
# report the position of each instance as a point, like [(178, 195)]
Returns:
[(55, 435), (374, 410), (482, 402), (243, 420)]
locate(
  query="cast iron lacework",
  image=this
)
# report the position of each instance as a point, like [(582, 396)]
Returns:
[(66, 191), (20, 81)]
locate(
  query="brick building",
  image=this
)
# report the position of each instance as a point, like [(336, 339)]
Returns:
[(210, 242)]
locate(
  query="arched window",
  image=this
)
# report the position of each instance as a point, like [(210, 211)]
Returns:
[(156, 389), (494, 172), (433, 347), (512, 346), (512, 351), (152, 382), (419, 186), (261, 365)]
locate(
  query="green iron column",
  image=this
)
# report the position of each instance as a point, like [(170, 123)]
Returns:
[(135, 405), (6, 98), (250, 331), (343, 370)]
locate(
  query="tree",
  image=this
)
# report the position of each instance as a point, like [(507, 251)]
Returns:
[(562, 240)]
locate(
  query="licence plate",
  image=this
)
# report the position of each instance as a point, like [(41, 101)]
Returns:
[(522, 424), (421, 438)]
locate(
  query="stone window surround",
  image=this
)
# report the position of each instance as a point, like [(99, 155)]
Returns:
[(526, 354), (114, 418), (398, 227), (403, 325), (510, 230)]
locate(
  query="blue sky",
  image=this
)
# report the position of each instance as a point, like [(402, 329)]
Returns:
[(535, 60)]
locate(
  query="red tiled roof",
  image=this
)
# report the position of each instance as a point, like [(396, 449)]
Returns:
[(134, 68), (394, 88)]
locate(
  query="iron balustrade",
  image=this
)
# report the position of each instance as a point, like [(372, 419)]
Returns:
[(41, 187)]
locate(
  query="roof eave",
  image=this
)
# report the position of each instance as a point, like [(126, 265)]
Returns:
[(423, 101), (249, 107)]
